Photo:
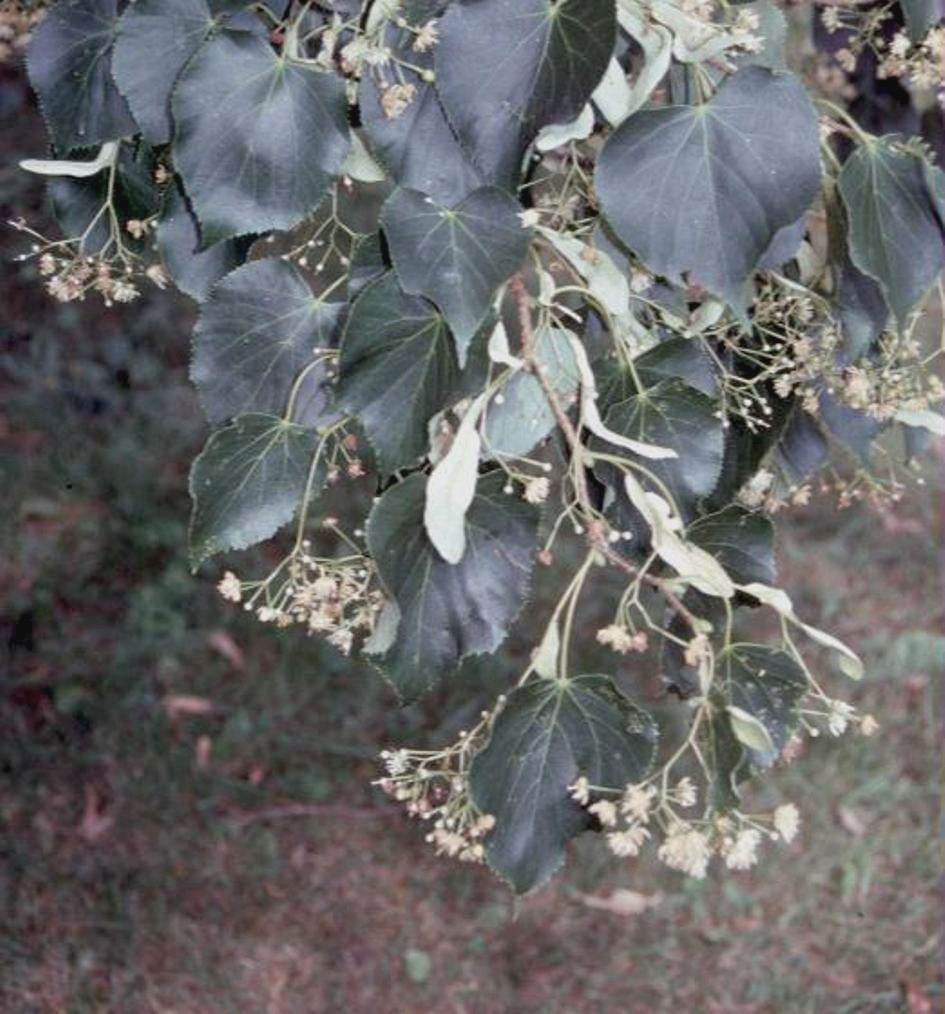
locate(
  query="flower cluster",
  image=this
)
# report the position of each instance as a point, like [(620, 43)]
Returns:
[(434, 786), (920, 64), (368, 53), (837, 716), (687, 845), (17, 21), (332, 597), (72, 272), (621, 640)]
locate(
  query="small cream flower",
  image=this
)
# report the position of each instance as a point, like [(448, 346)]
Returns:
[(685, 792), (605, 811), (395, 761), (868, 726), (637, 802), (580, 791), (396, 98), (686, 850), (838, 717), (900, 45), (123, 291), (628, 842), (230, 587), (537, 490), (616, 637), (743, 853), (427, 37), (787, 820)]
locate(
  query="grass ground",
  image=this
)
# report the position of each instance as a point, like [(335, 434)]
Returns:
[(154, 859)]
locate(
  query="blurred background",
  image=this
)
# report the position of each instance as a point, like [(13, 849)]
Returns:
[(186, 817)]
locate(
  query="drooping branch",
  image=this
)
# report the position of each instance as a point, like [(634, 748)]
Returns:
[(597, 531)]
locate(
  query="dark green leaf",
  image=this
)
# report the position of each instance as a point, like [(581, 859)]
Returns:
[(895, 235), (745, 450), (257, 330), (155, 40), (450, 611), (519, 416), (768, 684), (672, 414), (861, 308), (398, 368), (549, 733), (742, 541), (247, 483), (704, 189), (69, 64), (258, 137), (193, 270), (457, 257), (802, 448), (853, 428), (507, 68), (682, 358)]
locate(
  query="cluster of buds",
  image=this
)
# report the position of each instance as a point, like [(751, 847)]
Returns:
[(641, 812), (17, 21), (71, 273), (792, 342), (920, 63), (333, 598), (368, 53), (622, 640), (434, 786), (837, 716), (762, 490)]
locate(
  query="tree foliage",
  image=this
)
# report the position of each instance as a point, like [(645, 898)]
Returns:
[(587, 281)]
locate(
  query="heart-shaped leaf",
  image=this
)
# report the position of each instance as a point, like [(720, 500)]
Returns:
[(450, 611), (457, 257), (155, 40), (894, 236), (550, 733), (507, 68), (257, 330), (69, 64), (247, 483), (742, 541), (398, 369), (673, 414), (258, 136), (702, 190)]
